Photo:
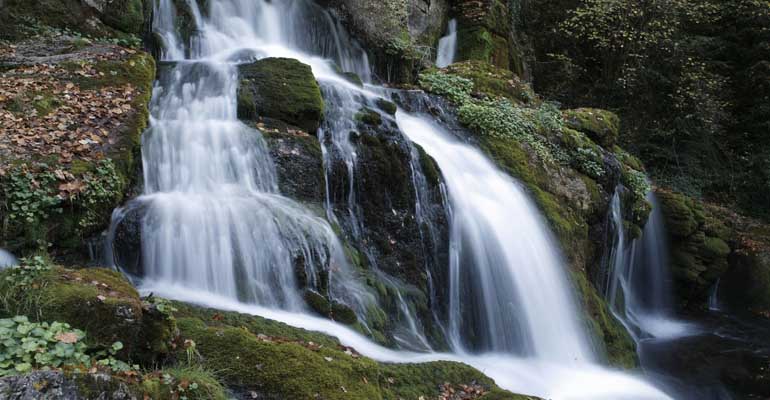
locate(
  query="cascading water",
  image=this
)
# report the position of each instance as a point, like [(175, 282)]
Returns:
[(506, 281), (217, 232), (638, 285), (7, 259), (447, 46), (214, 219)]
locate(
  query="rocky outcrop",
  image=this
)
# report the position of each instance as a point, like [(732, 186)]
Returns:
[(73, 113), (100, 302), (282, 89), (399, 34), (57, 385)]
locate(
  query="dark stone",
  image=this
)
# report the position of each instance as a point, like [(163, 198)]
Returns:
[(280, 88)]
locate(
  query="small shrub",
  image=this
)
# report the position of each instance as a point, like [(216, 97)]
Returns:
[(26, 345)]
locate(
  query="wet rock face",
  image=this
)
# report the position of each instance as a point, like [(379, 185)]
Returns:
[(299, 165), (283, 89), (699, 247)]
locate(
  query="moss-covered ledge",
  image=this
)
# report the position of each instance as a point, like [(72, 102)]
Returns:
[(72, 153)]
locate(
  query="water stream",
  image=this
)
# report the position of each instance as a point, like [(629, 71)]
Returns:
[(447, 46), (7, 259), (218, 232)]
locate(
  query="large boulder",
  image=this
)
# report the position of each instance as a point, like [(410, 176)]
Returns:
[(98, 301), (283, 89)]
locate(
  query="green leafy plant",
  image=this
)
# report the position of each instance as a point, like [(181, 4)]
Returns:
[(26, 345), (30, 194), (29, 270), (589, 162), (102, 187), (456, 88)]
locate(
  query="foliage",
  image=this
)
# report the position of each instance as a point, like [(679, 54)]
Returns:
[(101, 187), (638, 183), (30, 194), (25, 274), (26, 345), (586, 160), (456, 88)]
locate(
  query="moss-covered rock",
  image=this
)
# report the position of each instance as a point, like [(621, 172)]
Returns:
[(369, 117), (278, 361), (493, 81), (98, 301), (125, 15), (600, 125), (65, 190), (478, 43), (283, 89), (299, 164), (699, 246)]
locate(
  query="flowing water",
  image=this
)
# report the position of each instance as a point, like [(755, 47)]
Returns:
[(217, 231), (447, 46), (7, 259), (639, 281)]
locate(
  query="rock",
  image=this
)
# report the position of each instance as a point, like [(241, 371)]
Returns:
[(494, 81), (87, 173), (125, 15), (57, 385), (699, 246), (100, 302), (280, 88), (342, 313), (299, 163), (387, 106), (317, 302), (601, 126), (369, 117)]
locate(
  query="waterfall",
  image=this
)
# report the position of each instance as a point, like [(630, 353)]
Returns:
[(506, 278), (638, 287), (7, 259), (217, 231), (214, 219), (447, 46)]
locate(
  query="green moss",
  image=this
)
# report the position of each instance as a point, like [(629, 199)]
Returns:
[(619, 346), (429, 167), (368, 116), (317, 302), (301, 365), (478, 43), (342, 313), (600, 125), (98, 301), (387, 106), (680, 218), (280, 88), (192, 383), (125, 15), (493, 81)]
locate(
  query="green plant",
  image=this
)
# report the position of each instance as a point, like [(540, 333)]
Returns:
[(102, 187), (30, 194), (588, 161), (26, 274), (456, 88), (636, 181)]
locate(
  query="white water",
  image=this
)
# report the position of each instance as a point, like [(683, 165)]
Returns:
[(549, 380), (7, 259), (638, 287), (503, 259), (447, 46), (218, 233)]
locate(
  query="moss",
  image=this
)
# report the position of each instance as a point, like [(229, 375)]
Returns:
[(620, 349), (303, 365), (429, 167), (342, 313), (99, 301), (387, 106), (478, 43), (600, 125), (368, 116), (680, 218), (493, 81), (192, 383), (280, 88), (125, 15)]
